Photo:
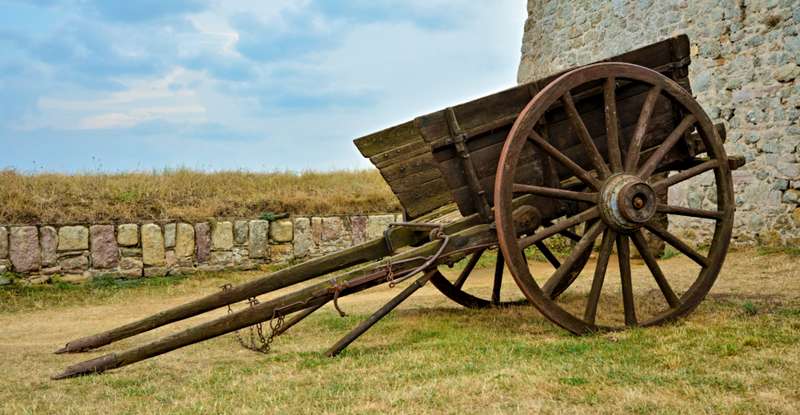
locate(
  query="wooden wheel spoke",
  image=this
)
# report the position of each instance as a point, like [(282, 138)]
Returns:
[(498, 278), (603, 256), (676, 243), (624, 256), (635, 147), (548, 254), (555, 153), (652, 162), (467, 271), (588, 214), (583, 134), (686, 174), (685, 211), (555, 193), (565, 275), (612, 124), (655, 270), (570, 235)]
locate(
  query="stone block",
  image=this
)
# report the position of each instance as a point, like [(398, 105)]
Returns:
[(131, 252), (259, 239), (222, 236), (73, 238), (281, 231), (184, 241), (74, 263), (376, 224), (3, 242), (303, 241), (50, 270), (128, 234), (791, 196), (152, 245), (131, 267), (24, 250), (202, 242), (170, 259), (332, 229), (105, 252), (316, 230), (241, 256), (48, 240), (787, 73), (281, 253), (155, 272), (170, 231), (38, 279), (789, 170), (241, 231), (221, 258), (358, 225), (76, 278)]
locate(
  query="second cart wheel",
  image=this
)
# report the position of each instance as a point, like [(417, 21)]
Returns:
[(468, 296), (457, 291), (619, 193)]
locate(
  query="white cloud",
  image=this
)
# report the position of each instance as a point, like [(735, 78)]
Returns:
[(401, 68)]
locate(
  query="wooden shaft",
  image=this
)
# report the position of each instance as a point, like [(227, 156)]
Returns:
[(366, 252), (375, 317), (312, 296), (296, 319)]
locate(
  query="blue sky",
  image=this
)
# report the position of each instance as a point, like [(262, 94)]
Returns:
[(90, 85)]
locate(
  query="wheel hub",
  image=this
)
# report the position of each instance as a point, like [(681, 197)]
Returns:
[(626, 202)]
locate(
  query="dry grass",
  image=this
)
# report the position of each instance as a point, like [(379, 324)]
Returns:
[(188, 195), (738, 353)]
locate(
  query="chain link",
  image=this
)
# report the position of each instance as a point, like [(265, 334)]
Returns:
[(257, 341)]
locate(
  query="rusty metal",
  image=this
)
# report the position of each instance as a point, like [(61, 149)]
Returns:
[(580, 155), (459, 141)]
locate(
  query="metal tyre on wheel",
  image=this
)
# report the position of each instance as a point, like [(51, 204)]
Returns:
[(618, 198)]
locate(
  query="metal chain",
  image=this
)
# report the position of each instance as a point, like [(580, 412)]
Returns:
[(261, 344)]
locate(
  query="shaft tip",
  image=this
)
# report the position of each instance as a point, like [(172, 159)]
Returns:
[(97, 365)]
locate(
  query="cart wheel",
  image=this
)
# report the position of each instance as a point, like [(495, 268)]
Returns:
[(620, 197), (456, 290)]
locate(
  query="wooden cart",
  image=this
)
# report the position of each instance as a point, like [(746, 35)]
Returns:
[(586, 156)]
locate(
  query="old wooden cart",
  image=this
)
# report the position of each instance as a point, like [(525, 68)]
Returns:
[(585, 155)]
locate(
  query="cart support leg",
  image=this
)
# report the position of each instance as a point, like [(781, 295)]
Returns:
[(382, 312), (498, 278), (296, 319)]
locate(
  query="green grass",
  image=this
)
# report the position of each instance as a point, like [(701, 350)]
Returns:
[(790, 250), (739, 352)]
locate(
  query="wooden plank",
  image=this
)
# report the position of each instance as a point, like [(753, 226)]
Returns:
[(410, 166), (473, 115), (414, 181), (396, 155), (398, 151), (387, 139)]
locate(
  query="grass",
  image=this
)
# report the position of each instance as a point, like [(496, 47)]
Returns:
[(188, 195), (738, 353)]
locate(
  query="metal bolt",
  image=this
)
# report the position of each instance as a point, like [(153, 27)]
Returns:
[(638, 202)]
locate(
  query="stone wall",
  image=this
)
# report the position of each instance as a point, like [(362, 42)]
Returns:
[(76, 253), (744, 71)]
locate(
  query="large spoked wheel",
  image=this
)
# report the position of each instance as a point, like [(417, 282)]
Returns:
[(617, 194)]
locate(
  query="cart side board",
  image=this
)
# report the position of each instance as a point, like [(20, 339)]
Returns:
[(419, 161)]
